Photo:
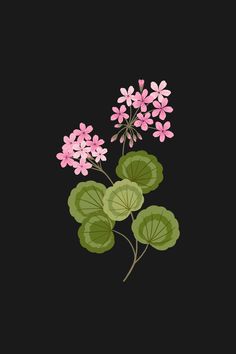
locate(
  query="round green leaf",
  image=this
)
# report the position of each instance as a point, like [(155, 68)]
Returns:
[(142, 168), (96, 234), (85, 199), (121, 199), (156, 226)]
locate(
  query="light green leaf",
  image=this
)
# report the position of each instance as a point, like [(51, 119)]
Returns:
[(142, 168), (85, 199), (96, 234), (121, 199), (156, 226)]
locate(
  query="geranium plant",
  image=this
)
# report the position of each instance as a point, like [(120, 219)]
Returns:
[(99, 208)]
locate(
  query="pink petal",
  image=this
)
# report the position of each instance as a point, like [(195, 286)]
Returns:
[(143, 107), (162, 85), (162, 137), (137, 96), (66, 139), (101, 142), (144, 93), (156, 134), (103, 158), (154, 86), (154, 95), (125, 115), (115, 109), (130, 90), (114, 116), (149, 121), (160, 98), (168, 109), (166, 126), (164, 102), (137, 123), (70, 162), (89, 129), (63, 163), (77, 154), (120, 119), (155, 112), (137, 104), (121, 99), (166, 92), (140, 115), (72, 137), (60, 156), (156, 104), (129, 102), (88, 165), (169, 134), (162, 115), (123, 91), (147, 115), (122, 108), (144, 126), (159, 126), (84, 172), (104, 151), (149, 99), (95, 138), (76, 132), (82, 126)]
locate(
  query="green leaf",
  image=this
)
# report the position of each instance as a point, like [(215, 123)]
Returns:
[(85, 199), (96, 234), (121, 199), (142, 168), (156, 226)]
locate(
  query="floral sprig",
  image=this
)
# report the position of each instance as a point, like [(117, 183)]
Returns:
[(97, 207), (82, 151), (141, 106)]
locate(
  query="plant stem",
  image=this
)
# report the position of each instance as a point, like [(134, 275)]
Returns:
[(119, 233), (141, 255), (101, 169), (135, 261), (123, 147)]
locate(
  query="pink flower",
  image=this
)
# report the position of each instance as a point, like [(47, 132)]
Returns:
[(141, 84), (159, 90), (95, 143), (99, 154), (69, 142), (127, 96), (141, 99), (81, 150), (163, 131), (81, 167), (66, 158), (162, 108), (143, 121), (83, 132), (119, 114)]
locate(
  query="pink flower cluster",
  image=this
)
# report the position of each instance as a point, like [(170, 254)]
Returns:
[(80, 150), (147, 106)]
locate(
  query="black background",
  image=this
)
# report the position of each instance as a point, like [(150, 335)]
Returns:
[(77, 67)]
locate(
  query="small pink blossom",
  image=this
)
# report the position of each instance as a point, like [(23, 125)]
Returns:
[(82, 150), (66, 158), (142, 99), (143, 121), (83, 132), (162, 131), (95, 143), (159, 91), (127, 96), (119, 114), (141, 84), (99, 154), (81, 167), (161, 108), (69, 142)]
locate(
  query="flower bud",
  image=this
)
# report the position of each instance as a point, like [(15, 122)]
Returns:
[(117, 125), (134, 138), (122, 138), (128, 136), (141, 84), (131, 143), (139, 136), (114, 137)]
